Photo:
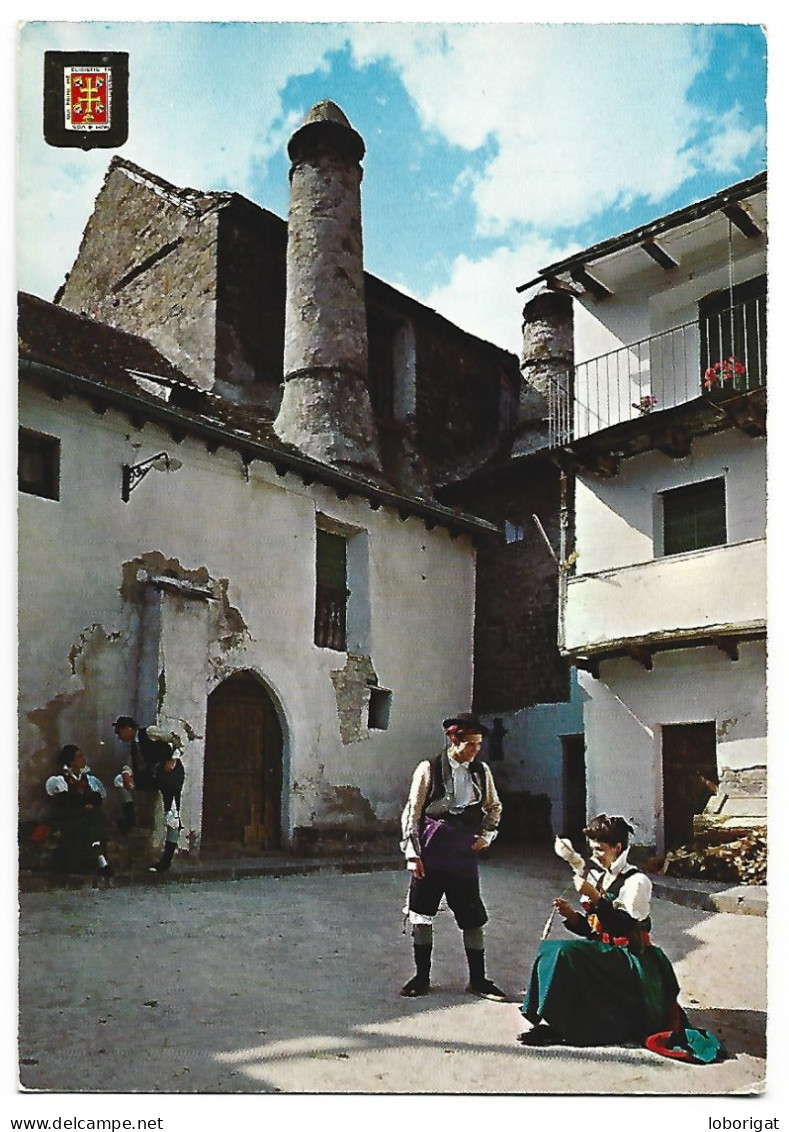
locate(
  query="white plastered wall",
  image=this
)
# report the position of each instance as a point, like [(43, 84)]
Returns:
[(627, 706), (616, 517), (250, 540)]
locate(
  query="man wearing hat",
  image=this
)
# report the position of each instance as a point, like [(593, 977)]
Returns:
[(155, 764), (452, 815)]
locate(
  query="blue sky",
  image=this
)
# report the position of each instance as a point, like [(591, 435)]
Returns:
[(492, 149)]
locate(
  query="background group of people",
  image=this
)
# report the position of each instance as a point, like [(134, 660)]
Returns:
[(78, 797), (609, 985)]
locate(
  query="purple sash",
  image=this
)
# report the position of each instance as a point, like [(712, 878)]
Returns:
[(446, 846)]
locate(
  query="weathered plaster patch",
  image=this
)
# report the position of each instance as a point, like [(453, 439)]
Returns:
[(725, 726), (48, 720), (135, 574), (90, 642), (351, 803), (351, 687), (337, 806), (230, 628)]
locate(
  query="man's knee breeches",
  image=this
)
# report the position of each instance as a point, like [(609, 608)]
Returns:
[(462, 893)]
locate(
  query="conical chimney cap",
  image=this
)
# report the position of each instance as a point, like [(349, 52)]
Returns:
[(326, 129), (327, 112)]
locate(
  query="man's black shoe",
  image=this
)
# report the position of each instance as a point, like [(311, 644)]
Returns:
[(415, 987), (487, 989)]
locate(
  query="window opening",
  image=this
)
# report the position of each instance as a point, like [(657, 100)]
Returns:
[(514, 532), (39, 464), (379, 709), (694, 516), (733, 325), (331, 590)]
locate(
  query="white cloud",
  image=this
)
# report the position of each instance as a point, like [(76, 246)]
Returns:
[(581, 116), (204, 103), (731, 141), (574, 119), (481, 297)]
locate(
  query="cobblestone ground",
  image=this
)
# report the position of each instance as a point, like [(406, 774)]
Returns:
[(290, 985)]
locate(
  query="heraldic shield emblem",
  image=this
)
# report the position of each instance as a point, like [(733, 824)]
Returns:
[(86, 98)]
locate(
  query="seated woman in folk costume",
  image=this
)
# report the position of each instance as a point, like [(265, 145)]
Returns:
[(77, 796), (613, 986)]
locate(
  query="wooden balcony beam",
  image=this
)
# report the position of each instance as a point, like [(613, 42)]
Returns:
[(728, 645), (602, 464), (595, 288), (555, 284), (642, 655), (659, 255), (750, 416), (742, 220), (674, 442), (588, 664)]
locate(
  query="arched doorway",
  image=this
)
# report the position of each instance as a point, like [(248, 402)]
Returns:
[(242, 776)]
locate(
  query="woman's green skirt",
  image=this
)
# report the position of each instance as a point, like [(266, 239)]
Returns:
[(594, 993)]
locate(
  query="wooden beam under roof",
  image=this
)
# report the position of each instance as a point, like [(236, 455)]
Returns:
[(555, 284), (659, 255), (642, 655), (732, 195), (592, 285), (588, 664), (673, 441), (750, 417), (740, 217), (728, 645)]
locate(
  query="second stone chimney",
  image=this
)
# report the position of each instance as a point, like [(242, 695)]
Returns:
[(326, 411), (547, 371)]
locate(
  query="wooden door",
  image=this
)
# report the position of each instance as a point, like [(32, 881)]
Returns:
[(690, 777), (242, 779)]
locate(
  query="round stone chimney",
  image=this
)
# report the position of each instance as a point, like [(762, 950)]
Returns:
[(545, 404), (326, 410)]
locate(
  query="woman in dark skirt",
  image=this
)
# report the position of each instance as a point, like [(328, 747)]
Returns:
[(612, 986), (77, 796)]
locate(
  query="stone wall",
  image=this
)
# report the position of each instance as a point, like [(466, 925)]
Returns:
[(202, 276), (516, 655), (147, 265), (250, 332)]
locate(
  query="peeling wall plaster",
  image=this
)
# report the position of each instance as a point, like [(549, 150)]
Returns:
[(352, 689)]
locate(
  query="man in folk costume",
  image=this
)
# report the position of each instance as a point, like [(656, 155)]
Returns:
[(155, 764), (451, 816), (613, 986)]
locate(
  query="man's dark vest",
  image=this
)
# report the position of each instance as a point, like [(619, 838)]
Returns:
[(437, 788), (148, 757)]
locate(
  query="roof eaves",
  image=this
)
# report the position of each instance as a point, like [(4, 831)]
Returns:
[(741, 191), (283, 460)]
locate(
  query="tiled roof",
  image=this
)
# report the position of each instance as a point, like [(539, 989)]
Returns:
[(59, 338), (91, 359)]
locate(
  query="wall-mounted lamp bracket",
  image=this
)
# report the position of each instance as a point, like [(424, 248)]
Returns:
[(134, 473)]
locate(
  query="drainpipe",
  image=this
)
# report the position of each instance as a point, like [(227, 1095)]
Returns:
[(564, 565)]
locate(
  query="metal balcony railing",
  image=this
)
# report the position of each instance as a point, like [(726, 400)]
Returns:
[(725, 350)]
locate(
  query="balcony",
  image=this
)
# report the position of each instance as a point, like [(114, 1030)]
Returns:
[(714, 596), (722, 355)]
